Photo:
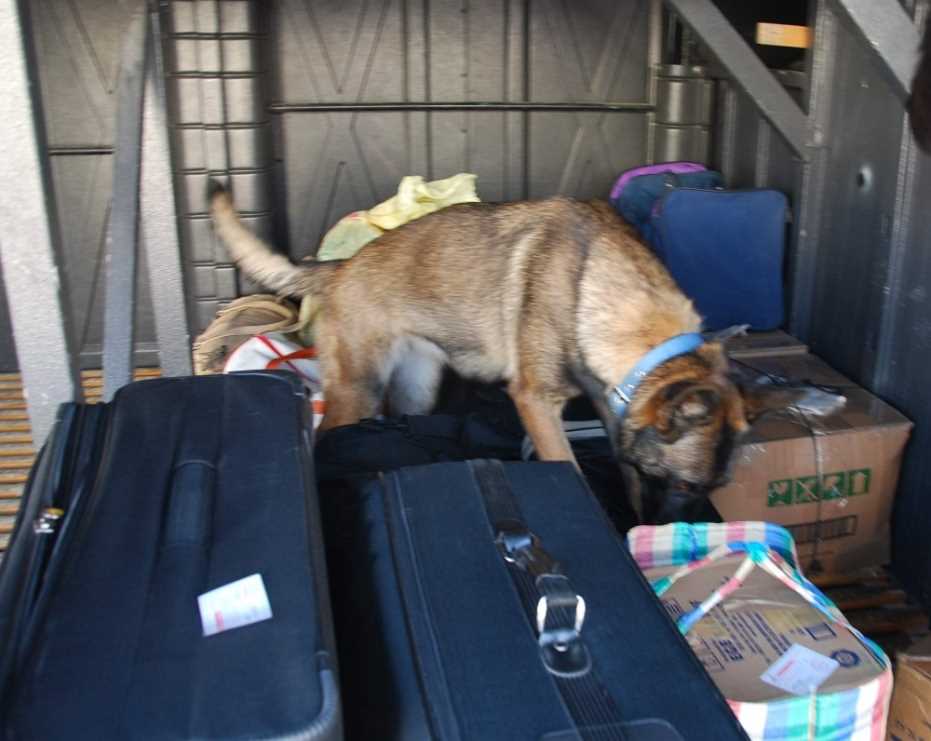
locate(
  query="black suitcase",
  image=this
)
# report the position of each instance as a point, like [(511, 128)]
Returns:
[(134, 509), (466, 628)]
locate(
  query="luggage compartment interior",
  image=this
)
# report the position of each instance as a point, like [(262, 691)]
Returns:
[(313, 110)]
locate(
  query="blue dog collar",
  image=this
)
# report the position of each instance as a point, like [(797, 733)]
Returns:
[(619, 397)]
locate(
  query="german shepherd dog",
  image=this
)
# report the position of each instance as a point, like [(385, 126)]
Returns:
[(556, 298)]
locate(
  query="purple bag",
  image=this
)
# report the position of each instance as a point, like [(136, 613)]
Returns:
[(677, 168)]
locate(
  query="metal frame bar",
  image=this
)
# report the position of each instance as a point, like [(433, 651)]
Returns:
[(890, 33), (633, 107), (29, 233), (122, 229), (79, 150), (654, 60), (748, 71), (813, 170), (160, 218)]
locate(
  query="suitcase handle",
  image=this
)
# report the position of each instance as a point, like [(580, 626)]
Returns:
[(540, 581), (194, 477), (190, 507)]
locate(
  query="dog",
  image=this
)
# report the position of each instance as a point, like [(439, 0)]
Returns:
[(556, 298), (919, 102)]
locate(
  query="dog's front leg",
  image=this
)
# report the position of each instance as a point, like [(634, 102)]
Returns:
[(634, 489), (542, 419)]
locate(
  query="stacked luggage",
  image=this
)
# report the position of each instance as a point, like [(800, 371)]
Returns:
[(167, 580)]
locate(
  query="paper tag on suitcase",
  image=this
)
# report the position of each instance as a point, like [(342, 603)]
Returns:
[(233, 605), (799, 670)]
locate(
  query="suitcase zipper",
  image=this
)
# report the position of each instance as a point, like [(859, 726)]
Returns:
[(47, 522), (54, 526)]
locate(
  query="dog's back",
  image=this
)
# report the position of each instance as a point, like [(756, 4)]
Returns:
[(473, 278)]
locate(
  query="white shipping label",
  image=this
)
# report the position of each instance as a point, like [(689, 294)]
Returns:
[(233, 605), (799, 670)]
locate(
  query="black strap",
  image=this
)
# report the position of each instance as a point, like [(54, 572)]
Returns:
[(555, 611)]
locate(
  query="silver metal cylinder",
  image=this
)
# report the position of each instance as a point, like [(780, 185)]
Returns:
[(684, 111), (684, 95)]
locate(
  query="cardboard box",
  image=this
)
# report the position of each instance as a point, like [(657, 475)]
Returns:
[(910, 713), (842, 521)]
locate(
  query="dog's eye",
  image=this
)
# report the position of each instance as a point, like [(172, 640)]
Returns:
[(698, 407)]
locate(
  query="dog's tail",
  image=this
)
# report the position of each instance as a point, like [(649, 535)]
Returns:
[(254, 256)]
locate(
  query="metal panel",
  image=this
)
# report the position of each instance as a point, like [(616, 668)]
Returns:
[(77, 50), (905, 354), (347, 51), (859, 194), (29, 248), (83, 185), (585, 51), (581, 155), (904, 383), (750, 153), (341, 162), (414, 57), (591, 50), (890, 32)]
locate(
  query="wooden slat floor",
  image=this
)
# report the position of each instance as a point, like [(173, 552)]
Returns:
[(16, 449)]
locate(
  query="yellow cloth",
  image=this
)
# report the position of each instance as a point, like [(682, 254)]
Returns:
[(415, 198), (418, 198)]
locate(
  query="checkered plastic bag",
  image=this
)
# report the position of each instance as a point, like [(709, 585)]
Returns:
[(857, 714)]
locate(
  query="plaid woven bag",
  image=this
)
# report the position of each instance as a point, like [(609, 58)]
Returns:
[(857, 714)]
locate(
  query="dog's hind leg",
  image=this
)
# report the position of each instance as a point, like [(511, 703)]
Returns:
[(418, 369), (354, 380)]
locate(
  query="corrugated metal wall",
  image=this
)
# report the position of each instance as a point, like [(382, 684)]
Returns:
[(420, 51), (296, 173), (78, 47)]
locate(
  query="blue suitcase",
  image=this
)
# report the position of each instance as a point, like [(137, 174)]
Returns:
[(725, 249), (495, 601), (134, 509)]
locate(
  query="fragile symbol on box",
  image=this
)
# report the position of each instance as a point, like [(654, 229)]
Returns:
[(799, 670), (807, 489), (233, 605)]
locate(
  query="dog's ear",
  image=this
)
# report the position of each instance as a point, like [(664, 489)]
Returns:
[(679, 407), (760, 399)]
